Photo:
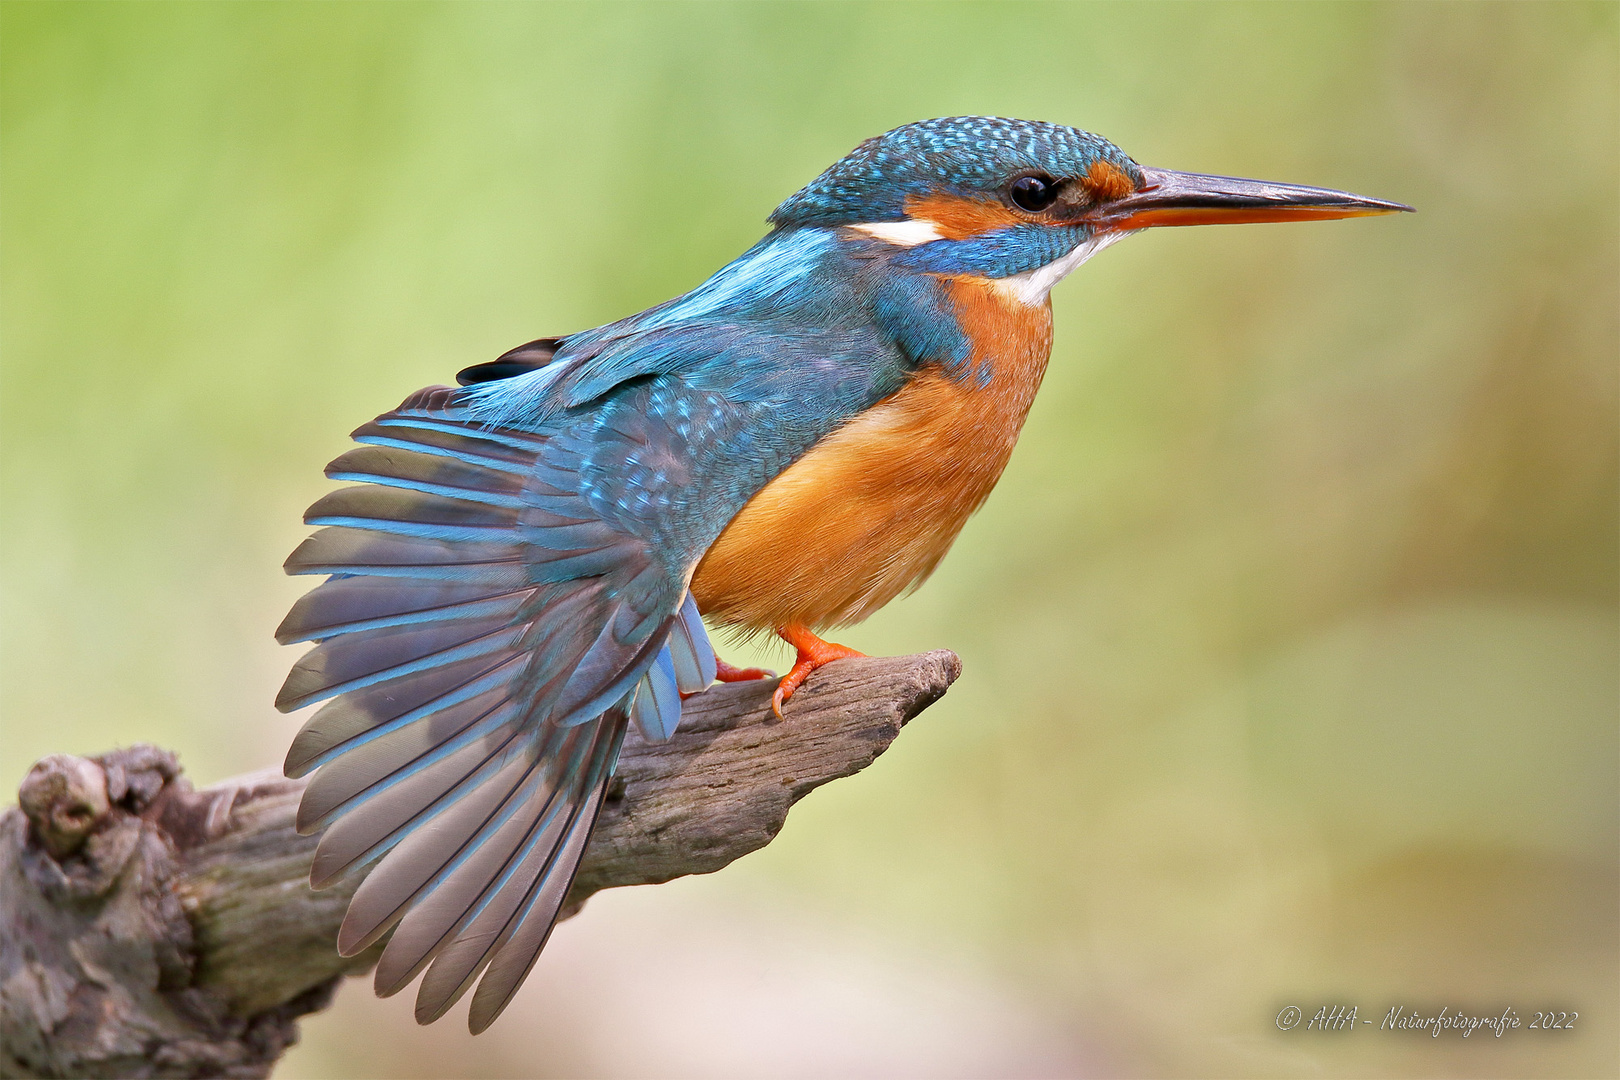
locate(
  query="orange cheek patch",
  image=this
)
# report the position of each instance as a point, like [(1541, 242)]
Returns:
[(1107, 181), (959, 219)]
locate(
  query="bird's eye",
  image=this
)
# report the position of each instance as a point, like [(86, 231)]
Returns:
[(1033, 193)]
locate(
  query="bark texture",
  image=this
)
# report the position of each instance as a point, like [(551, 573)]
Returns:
[(151, 930)]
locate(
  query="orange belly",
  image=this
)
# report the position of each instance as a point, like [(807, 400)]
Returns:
[(870, 510)]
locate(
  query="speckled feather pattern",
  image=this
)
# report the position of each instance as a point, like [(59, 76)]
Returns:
[(959, 154)]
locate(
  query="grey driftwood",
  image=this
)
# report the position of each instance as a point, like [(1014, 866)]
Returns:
[(151, 930)]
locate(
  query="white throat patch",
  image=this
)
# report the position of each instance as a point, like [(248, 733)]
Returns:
[(1030, 287), (1033, 286)]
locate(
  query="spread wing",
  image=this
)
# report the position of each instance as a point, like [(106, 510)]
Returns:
[(490, 627)]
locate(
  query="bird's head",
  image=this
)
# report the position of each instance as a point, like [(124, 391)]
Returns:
[(1029, 201)]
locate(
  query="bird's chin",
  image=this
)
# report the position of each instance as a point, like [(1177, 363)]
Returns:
[(1034, 287)]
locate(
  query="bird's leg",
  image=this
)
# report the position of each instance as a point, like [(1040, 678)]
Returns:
[(724, 672), (813, 653)]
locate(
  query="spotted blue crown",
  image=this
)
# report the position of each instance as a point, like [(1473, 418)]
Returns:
[(969, 156)]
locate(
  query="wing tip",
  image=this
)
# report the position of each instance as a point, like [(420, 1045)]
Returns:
[(291, 630), (305, 684), (354, 938), (479, 1021)]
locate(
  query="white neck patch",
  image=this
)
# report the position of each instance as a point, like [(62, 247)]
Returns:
[(1033, 286), (907, 233), (1030, 287)]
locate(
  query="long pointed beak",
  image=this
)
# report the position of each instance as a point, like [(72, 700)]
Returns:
[(1179, 198)]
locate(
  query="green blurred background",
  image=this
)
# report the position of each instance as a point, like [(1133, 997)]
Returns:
[(1289, 638)]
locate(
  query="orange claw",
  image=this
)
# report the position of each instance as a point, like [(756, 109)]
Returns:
[(813, 653)]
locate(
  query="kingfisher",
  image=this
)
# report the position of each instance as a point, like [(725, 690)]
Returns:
[(523, 566)]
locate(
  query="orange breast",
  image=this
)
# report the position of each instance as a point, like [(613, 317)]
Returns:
[(870, 510)]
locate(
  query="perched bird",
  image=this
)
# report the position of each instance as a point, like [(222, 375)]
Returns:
[(525, 565)]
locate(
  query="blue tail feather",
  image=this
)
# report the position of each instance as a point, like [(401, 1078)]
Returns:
[(690, 651), (656, 704)]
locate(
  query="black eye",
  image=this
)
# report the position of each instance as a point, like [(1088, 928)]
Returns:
[(1033, 193)]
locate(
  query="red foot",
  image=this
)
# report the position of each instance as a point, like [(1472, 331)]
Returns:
[(724, 672), (813, 653)]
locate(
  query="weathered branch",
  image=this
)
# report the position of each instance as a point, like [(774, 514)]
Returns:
[(152, 930)]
